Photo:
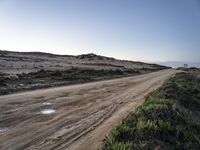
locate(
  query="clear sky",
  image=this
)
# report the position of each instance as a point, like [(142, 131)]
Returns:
[(144, 30)]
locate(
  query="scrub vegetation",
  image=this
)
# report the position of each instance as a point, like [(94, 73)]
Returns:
[(22, 71), (48, 78), (168, 119)]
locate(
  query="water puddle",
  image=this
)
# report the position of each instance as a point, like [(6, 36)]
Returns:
[(48, 111), (45, 103), (2, 130)]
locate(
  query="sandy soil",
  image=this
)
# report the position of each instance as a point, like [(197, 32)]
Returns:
[(72, 117), (19, 62)]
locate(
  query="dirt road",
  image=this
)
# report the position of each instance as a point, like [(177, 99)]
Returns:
[(71, 117)]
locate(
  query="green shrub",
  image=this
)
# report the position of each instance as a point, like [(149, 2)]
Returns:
[(168, 119)]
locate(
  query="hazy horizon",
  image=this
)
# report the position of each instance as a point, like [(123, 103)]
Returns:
[(150, 31)]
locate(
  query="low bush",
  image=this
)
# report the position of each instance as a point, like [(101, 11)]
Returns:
[(166, 120)]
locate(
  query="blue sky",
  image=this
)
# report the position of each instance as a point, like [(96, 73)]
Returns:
[(144, 30)]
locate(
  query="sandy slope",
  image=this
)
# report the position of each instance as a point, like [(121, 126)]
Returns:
[(18, 62), (83, 115)]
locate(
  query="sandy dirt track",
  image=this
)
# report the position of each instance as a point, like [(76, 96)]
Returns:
[(84, 114)]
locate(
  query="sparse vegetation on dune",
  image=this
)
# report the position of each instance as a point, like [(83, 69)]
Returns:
[(33, 70), (24, 62), (168, 119)]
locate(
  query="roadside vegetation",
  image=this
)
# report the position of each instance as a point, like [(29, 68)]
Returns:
[(48, 78), (168, 119)]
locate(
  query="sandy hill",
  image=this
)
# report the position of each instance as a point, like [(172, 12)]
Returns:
[(18, 62)]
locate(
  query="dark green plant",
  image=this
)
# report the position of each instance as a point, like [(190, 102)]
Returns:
[(168, 119)]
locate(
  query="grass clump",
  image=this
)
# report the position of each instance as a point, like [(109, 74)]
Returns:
[(168, 119)]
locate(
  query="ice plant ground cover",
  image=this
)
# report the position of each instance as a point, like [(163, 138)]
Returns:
[(168, 119)]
